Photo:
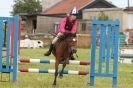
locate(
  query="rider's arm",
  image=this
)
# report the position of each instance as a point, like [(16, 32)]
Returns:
[(74, 28), (62, 25)]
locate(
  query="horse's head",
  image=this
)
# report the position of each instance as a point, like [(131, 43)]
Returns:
[(71, 40)]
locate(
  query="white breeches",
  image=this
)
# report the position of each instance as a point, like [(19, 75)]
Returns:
[(57, 37)]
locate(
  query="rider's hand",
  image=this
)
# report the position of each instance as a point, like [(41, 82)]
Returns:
[(74, 34)]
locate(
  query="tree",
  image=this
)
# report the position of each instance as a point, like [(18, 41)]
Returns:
[(26, 6), (103, 16)]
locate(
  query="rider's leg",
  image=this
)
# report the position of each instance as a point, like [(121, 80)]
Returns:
[(51, 47), (52, 44)]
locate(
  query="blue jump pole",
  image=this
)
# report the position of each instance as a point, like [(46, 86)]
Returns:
[(109, 44), (7, 66), (15, 58), (1, 42)]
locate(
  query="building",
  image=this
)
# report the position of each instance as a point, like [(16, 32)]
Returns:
[(124, 15), (128, 17), (51, 15), (53, 10)]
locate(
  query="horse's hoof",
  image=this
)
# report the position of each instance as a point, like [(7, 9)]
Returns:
[(53, 86)]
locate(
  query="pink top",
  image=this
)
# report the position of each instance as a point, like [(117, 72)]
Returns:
[(62, 26)]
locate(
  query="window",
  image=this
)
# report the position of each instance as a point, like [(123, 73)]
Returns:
[(56, 27), (83, 26)]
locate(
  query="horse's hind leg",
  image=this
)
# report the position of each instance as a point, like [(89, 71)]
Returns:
[(62, 70), (56, 72)]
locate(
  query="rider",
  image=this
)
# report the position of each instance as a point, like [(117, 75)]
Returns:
[(67, 25)]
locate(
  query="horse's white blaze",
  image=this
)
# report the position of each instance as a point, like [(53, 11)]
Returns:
[(74, 39)]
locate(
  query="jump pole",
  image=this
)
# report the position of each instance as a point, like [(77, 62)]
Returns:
[(72, 62), (52, 71)]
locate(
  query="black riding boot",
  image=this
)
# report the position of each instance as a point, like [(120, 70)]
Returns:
[(72, 57), (49, 51)]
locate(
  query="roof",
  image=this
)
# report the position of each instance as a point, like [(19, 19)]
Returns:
[(128, 9), (65, 6)]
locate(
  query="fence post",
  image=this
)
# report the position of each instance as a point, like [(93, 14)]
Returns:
[(109, 44), (15, 54)]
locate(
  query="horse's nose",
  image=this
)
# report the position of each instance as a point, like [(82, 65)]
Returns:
[(74, 39)]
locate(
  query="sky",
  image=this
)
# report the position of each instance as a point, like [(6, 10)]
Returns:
[(6, 5)]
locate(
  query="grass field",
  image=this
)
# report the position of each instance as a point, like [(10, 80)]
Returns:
[(42, 80)]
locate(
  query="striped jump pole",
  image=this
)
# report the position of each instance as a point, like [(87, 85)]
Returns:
[(73, 62), (52, 71)]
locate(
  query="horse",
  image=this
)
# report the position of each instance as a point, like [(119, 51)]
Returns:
[(62, 52)]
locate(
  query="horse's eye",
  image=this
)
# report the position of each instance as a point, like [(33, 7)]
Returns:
[(74, 39)]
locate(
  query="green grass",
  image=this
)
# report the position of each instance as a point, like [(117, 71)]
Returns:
[(40, 80)]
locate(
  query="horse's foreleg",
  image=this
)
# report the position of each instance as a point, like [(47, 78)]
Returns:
[(56, 72), (63, 66)]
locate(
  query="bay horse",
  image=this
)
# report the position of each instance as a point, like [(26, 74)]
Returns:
[(62, 52)]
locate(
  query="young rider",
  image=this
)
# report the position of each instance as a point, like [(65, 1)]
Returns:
[(67, 25)]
